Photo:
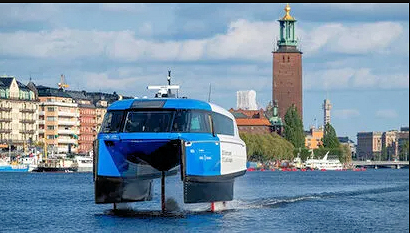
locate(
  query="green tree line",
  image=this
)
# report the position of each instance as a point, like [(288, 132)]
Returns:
[(271, 146)]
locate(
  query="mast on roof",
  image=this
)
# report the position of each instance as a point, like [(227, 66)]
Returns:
[(165, 91)]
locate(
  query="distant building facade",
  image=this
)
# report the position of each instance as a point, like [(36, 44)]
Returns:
[(252, 121), (369, 145), (287, 68), (246, 100), (313, 138), (326, 111), (18, 113), (58, 121), (390, 146), (64, 120)]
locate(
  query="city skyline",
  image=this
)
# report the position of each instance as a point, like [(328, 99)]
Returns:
[(355, 55)]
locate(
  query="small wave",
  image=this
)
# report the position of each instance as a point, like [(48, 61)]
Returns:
[(281, 201)]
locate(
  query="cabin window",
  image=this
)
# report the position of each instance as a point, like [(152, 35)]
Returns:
[(148, 121), (223, 124), (192, 121), (112, 122), (199, 122)]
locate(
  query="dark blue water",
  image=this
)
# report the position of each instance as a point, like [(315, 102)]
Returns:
[(268, 201)]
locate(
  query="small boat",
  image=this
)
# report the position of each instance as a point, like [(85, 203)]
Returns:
[(145, 139), (324, 164), (7, 166), (56, 165), (84, 163)]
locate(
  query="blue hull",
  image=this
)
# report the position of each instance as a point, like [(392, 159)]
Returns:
[(10, 168)]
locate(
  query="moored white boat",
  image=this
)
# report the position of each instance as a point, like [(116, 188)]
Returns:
[(324, 164), (85, 163), (7, 166)]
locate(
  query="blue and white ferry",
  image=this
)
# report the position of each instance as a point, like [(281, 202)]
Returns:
[(145, 139)]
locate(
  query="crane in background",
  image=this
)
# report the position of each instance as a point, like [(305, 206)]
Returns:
[(62, 84)]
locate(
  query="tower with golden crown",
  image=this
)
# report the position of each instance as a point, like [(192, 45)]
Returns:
[(287, 68)]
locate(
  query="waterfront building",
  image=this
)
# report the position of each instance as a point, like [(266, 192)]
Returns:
[(252, 121), (100, 110), (287, 67), (88, 126), (58, 121), (369, 145), (87, 119), (246, 100), (313, 137), (326, 111), (18, 114), (390, 145)]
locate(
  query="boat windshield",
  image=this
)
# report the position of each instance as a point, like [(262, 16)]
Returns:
[(112, 122), (148, 121), (181, 121)]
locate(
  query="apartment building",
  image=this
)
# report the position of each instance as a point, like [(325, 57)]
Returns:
[(58, 121), (100, 110), (390, 146), (18, 114), (369, 145), (313, 137), (88, 126)]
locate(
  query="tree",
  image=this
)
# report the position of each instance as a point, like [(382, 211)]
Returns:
[(346, 154), (294, 132), (265, 147), (330, 139), (404, 151)]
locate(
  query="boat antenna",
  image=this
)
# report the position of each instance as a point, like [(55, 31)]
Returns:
[(209, 93), (169, 77), (165, 91)]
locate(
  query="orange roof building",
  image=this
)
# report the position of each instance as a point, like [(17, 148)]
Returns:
[(252, 121)]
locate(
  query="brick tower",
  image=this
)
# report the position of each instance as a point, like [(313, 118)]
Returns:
[(287, 68)]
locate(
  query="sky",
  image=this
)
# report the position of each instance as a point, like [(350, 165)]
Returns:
[(354, 54)]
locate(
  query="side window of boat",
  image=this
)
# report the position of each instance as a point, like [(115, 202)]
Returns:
[(223, 124), (199, 122)]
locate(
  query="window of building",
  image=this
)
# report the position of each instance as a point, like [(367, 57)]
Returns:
[(50, 109), (50, 127), (51, 118)]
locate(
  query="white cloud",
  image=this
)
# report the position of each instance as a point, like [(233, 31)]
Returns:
[(357, 39), (244, 40), (387, 113), (348, 78), (365, 38), (345, 113)]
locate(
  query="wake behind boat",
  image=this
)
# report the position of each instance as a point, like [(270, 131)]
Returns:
[(145, 139)]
